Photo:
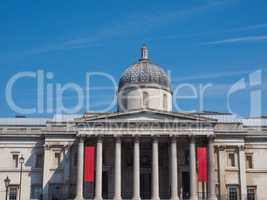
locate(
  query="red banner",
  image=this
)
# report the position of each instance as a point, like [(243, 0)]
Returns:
[(202, 164), (89, 163)]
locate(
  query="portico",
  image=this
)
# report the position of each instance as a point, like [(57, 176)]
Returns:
[(146, 163)]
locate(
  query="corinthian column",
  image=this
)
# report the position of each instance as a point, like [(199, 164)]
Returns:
[(174, 176), (79, 180), (155, 170), (136, 170), (193, 170), (98, 184), (211, 171), (117, 194)]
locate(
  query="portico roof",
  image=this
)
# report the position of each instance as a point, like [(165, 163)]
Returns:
[(146, 115)]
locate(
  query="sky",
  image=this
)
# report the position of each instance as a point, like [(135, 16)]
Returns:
[(212, 44)]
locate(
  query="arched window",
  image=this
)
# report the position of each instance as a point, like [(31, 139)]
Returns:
[(165, 101), (145, 100)]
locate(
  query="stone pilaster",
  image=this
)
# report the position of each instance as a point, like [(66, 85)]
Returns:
[(211, 170), (221, 169), (46, 174), (66, 171), (242, 172)]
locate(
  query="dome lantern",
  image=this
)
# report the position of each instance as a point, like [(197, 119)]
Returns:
[(144, 53)]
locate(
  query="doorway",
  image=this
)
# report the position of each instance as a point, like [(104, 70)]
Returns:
[(145, 185), (186, 185), (56, 191)]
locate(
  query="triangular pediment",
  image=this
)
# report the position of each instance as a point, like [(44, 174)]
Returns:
[(146, 115)]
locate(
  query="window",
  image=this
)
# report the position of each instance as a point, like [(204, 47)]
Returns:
[(249, 161), (233, 192), (165, 101), (36, 191), (145, 100), (15, 160), (231, 160), (39, 161), (251, 192), (13, 192), (57, 159)]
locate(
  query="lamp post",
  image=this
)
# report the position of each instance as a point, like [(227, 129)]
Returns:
[(21, 161), (7, 182)]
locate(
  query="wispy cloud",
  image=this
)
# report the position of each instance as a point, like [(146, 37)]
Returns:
[(211, 76), (247, 28), (128, 26), (209, 33), (237, 40)]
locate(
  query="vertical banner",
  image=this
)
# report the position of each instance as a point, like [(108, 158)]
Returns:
[(89, 171), (202, 164)]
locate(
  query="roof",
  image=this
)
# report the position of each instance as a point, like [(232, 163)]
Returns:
[(145, 73), (35, 121)]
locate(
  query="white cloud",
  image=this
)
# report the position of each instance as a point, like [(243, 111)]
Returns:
[(130, 25), (238, 40)]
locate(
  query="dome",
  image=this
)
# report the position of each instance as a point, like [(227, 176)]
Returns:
[(145, 74)]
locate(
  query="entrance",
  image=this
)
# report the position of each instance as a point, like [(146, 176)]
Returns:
[(186, 185), (105, 185), (145, 185), (56, 191)]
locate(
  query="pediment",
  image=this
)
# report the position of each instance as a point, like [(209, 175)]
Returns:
[(148, 115)]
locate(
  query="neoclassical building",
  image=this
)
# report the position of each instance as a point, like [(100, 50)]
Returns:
[(143, 151)]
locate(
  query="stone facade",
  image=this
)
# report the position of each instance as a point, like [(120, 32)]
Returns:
[(53, 167)]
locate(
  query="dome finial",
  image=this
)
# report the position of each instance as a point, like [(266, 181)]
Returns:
[(144, 52)]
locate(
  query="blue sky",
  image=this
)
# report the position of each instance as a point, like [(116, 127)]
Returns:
[(214, 42)]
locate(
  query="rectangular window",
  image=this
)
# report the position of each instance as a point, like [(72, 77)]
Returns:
[(39, 161), (233, 191), (249, 161), (231, 160), (251, 192), (15, 160), (13, 192), (57, 159), (36, 191)]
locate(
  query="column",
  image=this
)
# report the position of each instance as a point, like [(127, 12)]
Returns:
[(193, 171), (117, 194), (136, 170), (79, 180), (211, 171), (242, 173), (155, 170), (98, 184), (174, 175)]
